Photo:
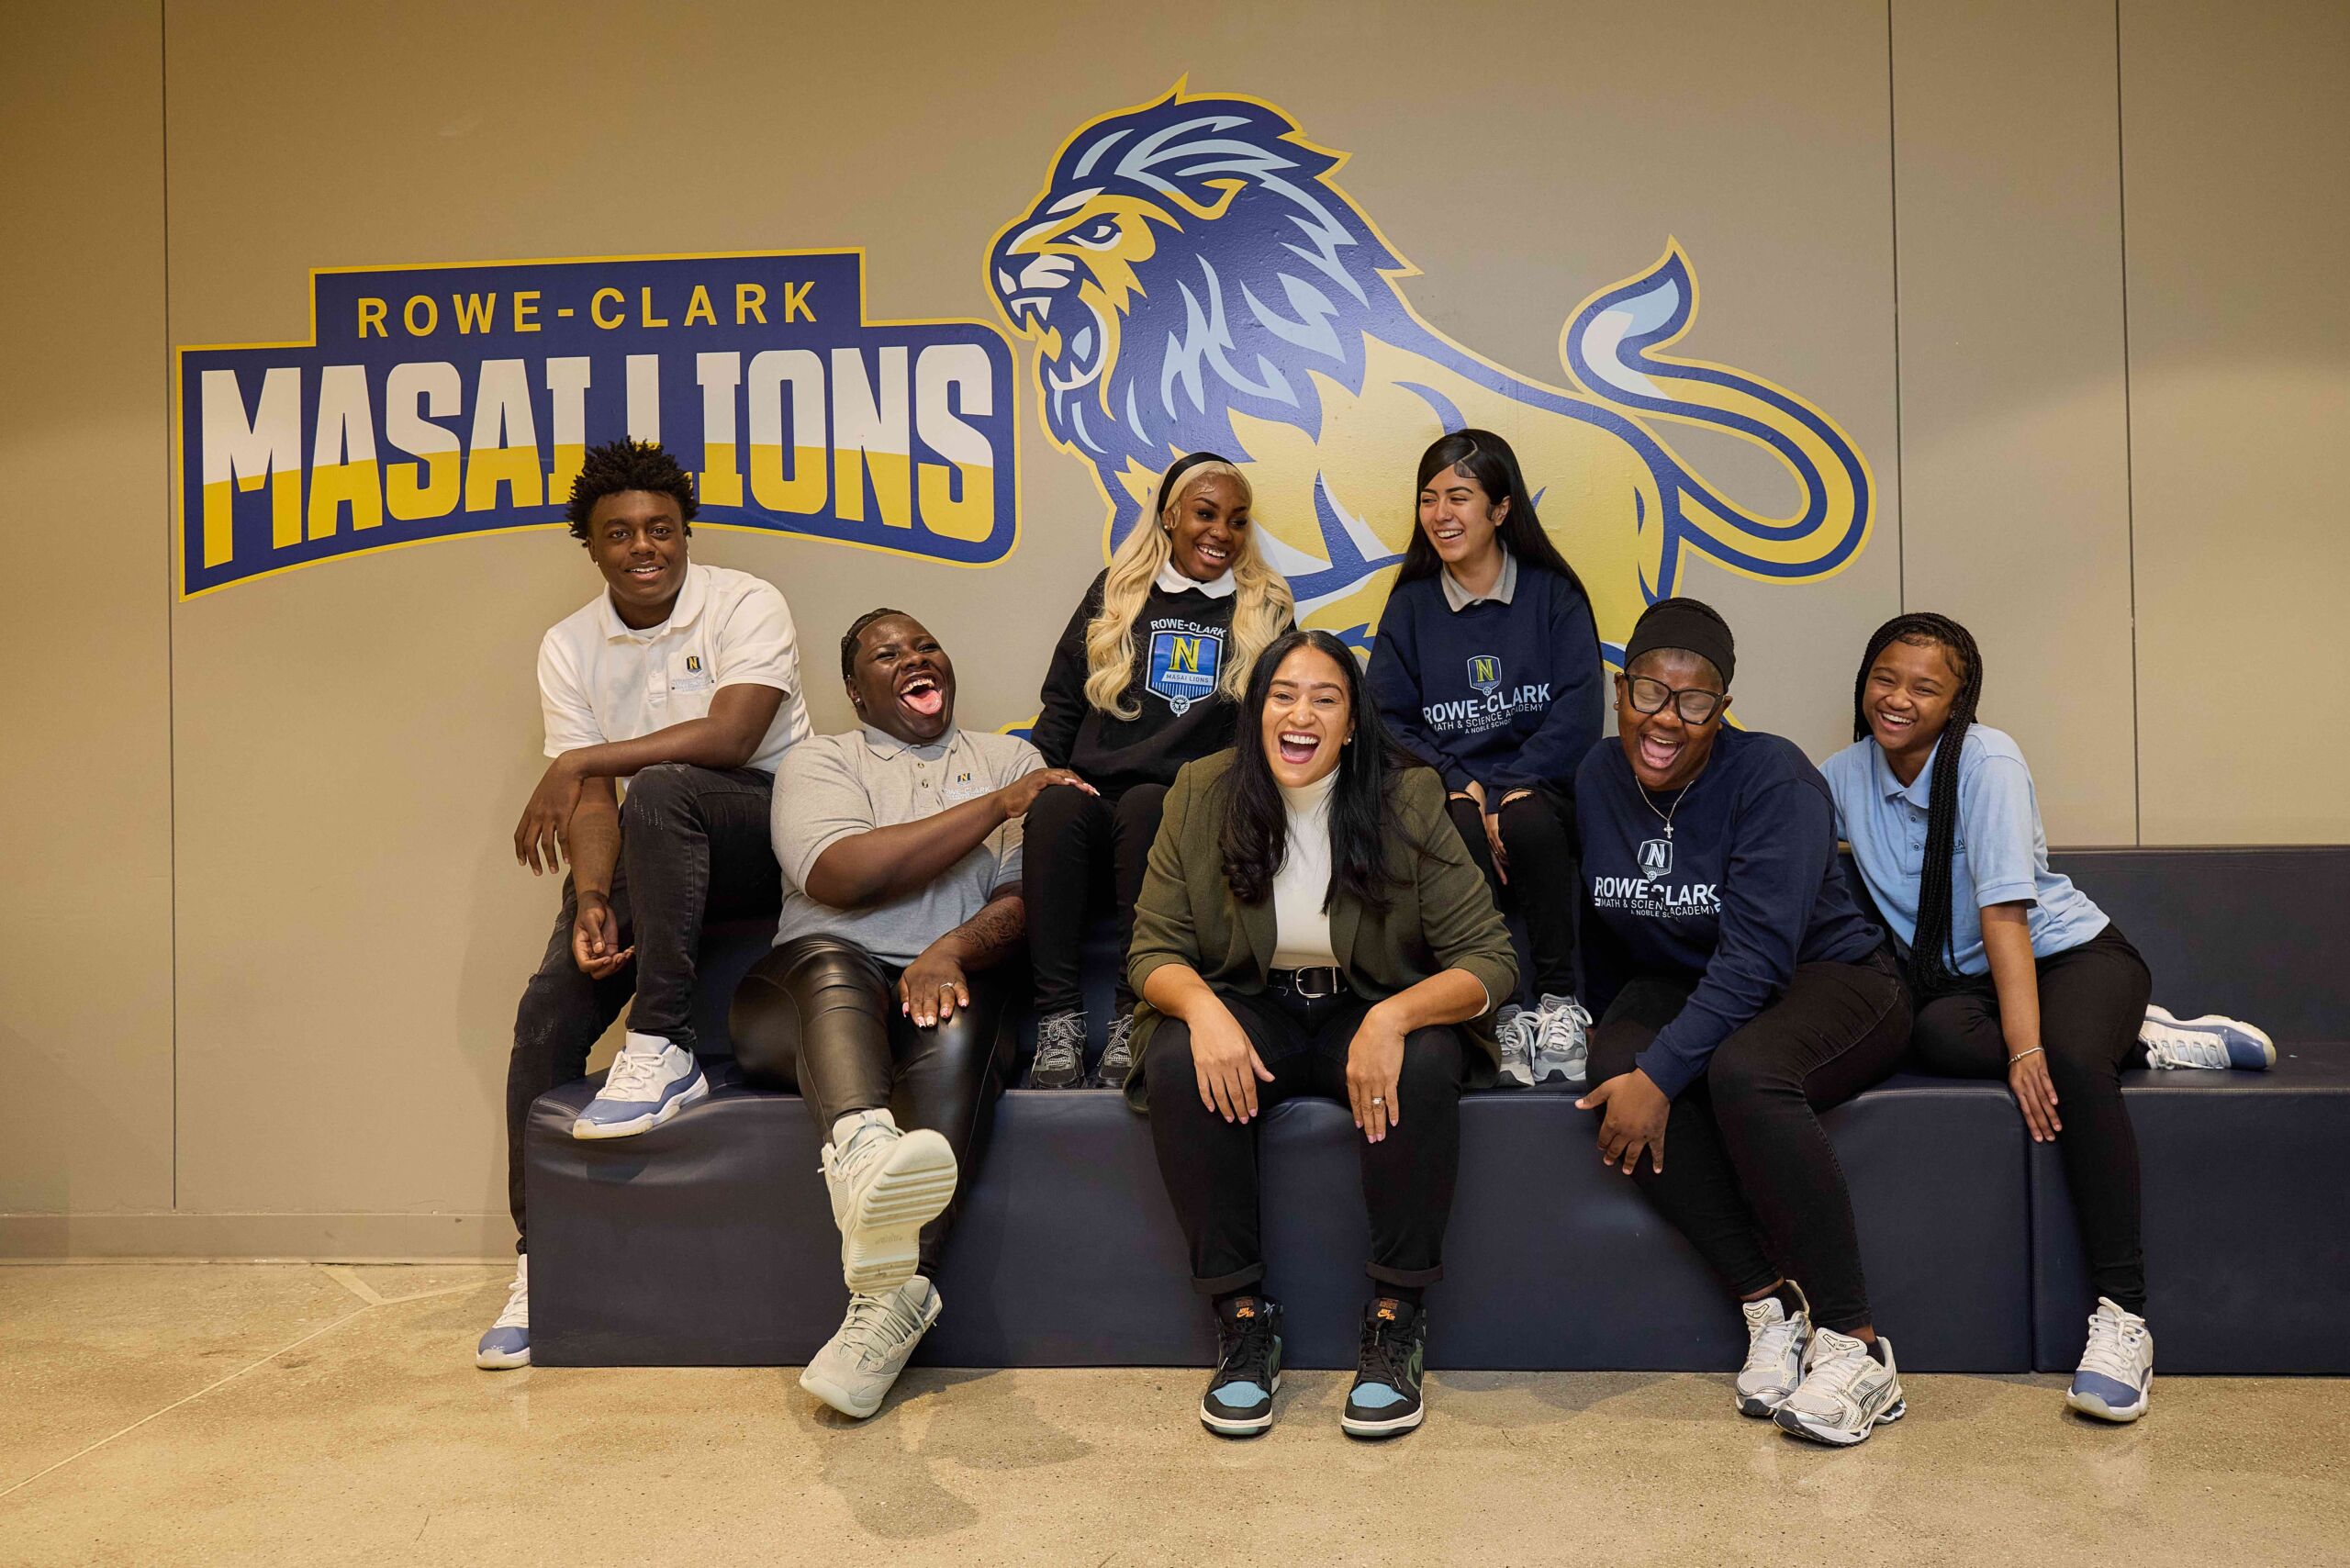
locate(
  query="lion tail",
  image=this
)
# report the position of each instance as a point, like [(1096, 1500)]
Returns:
[(1613, 347)]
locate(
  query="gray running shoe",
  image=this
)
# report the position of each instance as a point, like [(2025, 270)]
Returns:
[(1513, 1032), (1118, 1057), (1561, 1051), (1060, 1052), (855, 1370)]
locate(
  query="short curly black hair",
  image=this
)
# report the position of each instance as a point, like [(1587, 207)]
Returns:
[(628, 464)]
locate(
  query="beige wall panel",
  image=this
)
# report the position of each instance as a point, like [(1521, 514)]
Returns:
[(85, 1029), (2236, 142), (2014, 425), (356, 739)]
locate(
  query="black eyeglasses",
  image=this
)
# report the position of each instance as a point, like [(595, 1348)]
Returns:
[(1695, 704)]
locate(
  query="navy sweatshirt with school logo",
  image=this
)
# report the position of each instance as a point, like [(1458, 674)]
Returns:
[(1746, 887), (1179, 642), (1508, 695)]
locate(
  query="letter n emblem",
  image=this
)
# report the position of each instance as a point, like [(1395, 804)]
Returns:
[(1656, 858), (1484, 673)]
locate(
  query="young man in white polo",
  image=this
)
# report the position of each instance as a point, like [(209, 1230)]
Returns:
[(683, 681)]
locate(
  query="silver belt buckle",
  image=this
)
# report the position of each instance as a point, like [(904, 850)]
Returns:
[(1299, 982)]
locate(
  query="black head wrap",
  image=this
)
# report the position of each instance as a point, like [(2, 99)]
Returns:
[(1687, 624), (1180, 467)]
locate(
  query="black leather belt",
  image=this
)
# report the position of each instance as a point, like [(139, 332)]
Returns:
[(1313, 985)]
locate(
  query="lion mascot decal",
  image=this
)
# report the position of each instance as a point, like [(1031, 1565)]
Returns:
[(1193, 279)]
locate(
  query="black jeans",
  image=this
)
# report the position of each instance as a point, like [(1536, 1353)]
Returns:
[(1210, 1164), (820, 1016), (1539, 836), (695, 846), (2092, 999), (1749, 1174), (1078, 853)]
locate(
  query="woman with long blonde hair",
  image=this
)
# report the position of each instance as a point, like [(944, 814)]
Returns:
[(1147, 678)]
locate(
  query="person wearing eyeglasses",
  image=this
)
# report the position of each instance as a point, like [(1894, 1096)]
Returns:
[(1740, 990)]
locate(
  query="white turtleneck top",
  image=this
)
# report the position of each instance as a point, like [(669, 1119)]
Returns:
[(1301, 928)]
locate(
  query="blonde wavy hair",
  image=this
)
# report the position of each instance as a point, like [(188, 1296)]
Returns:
[(1261, 611)]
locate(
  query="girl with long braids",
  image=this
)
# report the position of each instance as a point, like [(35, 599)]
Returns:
[(1145, 679), (2018, 975), (1311, 925), (1486, 667)]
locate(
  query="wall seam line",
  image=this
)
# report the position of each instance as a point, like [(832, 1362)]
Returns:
[(1900, 452), (2128, 444), (171, 609)]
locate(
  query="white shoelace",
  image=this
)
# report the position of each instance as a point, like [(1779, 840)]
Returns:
[(1839, 1362), (2116, 1347), (518, 1305), (1060, 1041), (1767, 1347), (864, 1146), (1564, 1029), (2186, 1048), (877, 1325), (635, 1074)]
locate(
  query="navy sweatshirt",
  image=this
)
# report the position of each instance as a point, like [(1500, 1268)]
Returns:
[(1747, 886), (1508, 695), (1179, 642)]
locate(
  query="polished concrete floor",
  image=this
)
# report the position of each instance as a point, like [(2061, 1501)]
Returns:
[(293, 1413)]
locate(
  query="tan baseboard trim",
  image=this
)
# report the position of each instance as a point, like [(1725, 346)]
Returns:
[(309, 1237)]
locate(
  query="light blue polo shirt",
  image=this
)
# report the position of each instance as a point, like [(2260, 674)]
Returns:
[(2001, 856)]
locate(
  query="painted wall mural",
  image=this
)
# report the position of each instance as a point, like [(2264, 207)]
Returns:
[(1193, 277)]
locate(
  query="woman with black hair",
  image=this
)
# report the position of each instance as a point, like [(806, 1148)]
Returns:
[(1310, 924), (1741, 991), (1145, 679), (1486, 667), (2016, 974)]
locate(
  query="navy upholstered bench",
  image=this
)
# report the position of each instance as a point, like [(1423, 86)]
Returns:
[(708, 1242)]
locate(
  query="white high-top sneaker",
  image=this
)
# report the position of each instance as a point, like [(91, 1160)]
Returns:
[(885, 1186), (1846, 1392), (507, 1343), (2116, 1379), (853, 1371), (1776, 1341)]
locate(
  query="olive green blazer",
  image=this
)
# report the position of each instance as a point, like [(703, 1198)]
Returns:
[(1440, 914)]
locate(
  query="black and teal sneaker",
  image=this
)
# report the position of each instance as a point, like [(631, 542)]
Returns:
[(1385, 1399), (1240, 1400)]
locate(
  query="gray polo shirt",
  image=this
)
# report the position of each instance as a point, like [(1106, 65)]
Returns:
[(835, 786)]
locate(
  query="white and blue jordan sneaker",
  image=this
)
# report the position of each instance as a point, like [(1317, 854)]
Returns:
[(507, 1343), (650, 1082), (2211, 1041), (2116, 1378)]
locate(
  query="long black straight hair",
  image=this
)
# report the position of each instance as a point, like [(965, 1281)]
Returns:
[(1932, 968), (1486, 458), (1255, 821)]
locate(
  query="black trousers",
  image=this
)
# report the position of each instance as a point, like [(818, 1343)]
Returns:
[(695, 846), (1544, 887), (1750, 1176), (2092, 999), (1210, 1164), (1080, 853), (819, 1015)]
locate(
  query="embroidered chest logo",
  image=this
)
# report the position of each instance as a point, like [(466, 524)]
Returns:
[(693, 664), (1183, 668), (1484, 673)]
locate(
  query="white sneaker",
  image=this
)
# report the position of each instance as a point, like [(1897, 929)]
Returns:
[(1514, 1033), (855, 1370), (2211, 1041), (650, 1082), (885, 1186), (1775, 1346), (507, 1343), (1562, 1040), (2116, 1378), (1846, 1392)]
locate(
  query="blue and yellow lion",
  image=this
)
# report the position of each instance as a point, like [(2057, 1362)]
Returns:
[(1194, 279)]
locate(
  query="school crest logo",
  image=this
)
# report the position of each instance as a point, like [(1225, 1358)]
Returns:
[(1656, 860), (1484, 673), (1183, 668), (1193, 277)]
